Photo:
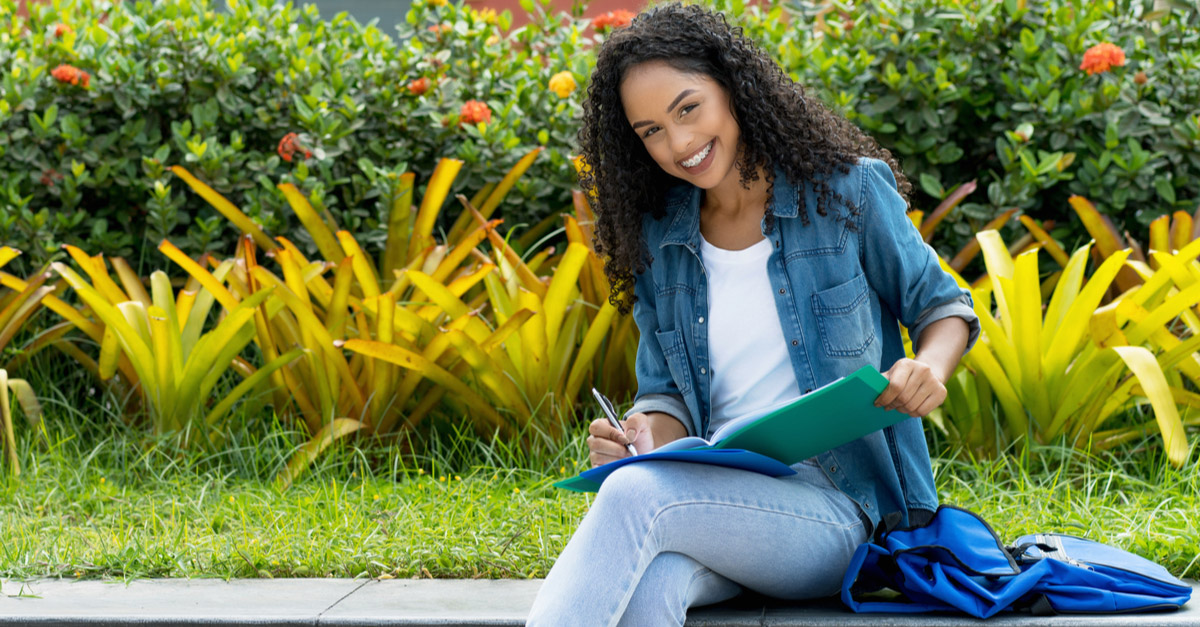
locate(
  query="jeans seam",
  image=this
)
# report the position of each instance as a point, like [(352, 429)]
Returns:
[(687, 593), (831, 523)]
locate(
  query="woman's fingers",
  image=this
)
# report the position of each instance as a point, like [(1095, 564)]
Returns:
[(606, 443), (912, 389)]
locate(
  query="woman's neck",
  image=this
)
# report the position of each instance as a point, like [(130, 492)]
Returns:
[(730, 200)]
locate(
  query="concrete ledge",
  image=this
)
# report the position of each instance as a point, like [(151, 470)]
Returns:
[(404, 602)]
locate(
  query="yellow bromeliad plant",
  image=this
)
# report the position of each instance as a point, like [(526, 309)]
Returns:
[(157, 340), (546, 337), (1069, 366), (17, 305), (407, 348)]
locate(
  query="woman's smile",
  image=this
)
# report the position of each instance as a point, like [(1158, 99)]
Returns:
[(700, 161)]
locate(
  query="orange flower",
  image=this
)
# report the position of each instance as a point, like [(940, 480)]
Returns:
[(419, 86), (1101, 57), (474, 112), (71, 74), (613, 19), (289, 145), (62, 29), (440, 29)]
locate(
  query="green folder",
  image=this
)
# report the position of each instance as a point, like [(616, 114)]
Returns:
[(823, 419)]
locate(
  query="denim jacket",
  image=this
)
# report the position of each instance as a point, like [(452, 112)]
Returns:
[(840, 294)]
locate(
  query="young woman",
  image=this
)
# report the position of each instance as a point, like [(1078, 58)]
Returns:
[(765, 243)]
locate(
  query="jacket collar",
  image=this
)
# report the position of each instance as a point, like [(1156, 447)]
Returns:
[(683, 208)]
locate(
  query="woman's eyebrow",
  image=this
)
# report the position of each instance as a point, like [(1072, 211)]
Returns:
[(683, 94)]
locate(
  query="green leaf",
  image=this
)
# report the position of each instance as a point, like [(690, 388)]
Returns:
[(932, 186), (1165, 190)]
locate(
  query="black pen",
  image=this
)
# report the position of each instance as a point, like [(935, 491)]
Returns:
[(611, 414)]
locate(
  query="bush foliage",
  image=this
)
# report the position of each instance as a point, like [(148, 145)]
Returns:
[(995, 91), (103, 97), (254, 95)]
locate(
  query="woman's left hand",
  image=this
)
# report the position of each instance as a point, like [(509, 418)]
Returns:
[(913, 388)]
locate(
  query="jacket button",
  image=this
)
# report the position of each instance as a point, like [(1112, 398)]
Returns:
[(782, 291), (833, 469), (703, 371), (795, 342), (701, 320)]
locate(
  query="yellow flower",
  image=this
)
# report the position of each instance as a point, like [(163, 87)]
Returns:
[(457, 478), (562, 84), (488, 15), (516, 490), (420, 471), (376, 497), (437, 3)]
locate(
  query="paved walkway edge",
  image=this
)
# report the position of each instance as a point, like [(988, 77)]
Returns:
[(412, 603)]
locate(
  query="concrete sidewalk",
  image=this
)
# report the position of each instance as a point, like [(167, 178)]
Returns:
[(463, 603)]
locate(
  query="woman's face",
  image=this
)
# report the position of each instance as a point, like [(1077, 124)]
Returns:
[(684, 120)]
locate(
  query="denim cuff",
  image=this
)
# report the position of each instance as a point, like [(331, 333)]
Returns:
[(960, 307), (665, 403)]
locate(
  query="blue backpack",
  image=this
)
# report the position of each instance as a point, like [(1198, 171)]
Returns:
[(957, 563)]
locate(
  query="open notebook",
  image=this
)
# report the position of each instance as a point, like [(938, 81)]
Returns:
[(769, 441)]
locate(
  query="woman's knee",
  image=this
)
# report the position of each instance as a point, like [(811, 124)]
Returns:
[(657, 480)]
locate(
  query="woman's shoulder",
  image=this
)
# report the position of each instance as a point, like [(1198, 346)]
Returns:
[(865, 171)]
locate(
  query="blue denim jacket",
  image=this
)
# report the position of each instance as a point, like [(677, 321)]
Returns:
[(839, 292)]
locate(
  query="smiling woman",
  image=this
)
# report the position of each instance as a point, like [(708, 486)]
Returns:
[(707, 161)]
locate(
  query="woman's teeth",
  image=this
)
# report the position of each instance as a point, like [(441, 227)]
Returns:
[(697, 158)]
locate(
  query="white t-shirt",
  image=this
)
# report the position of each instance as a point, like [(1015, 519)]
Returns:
[(747, 353)]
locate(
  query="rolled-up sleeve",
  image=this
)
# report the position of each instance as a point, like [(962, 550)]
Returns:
[(657, 390), (961, 307), (900, 266)]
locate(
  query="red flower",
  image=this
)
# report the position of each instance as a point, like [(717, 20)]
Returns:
[(474, 112), (62, 29), (49, 176), (71, 74), (1100, 57), (613, 19), (419, 86), (289, 145)]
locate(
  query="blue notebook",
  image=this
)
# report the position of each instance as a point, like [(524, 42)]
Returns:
[(590, 480), (769, 441)]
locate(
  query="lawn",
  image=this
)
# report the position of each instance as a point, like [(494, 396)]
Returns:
[(97, 501)]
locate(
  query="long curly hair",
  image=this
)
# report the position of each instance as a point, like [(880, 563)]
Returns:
[(780, 126)]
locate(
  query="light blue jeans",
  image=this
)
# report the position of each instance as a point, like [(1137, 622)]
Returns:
[(663, 536)]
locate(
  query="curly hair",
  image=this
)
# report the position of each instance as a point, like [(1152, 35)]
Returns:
[(780, 127)]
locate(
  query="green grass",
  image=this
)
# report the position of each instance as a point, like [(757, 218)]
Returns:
[(98, 499)]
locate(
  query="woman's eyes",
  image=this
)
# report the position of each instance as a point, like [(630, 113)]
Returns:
[(684, 111)]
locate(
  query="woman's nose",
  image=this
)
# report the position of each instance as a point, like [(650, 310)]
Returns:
[(681, 145)]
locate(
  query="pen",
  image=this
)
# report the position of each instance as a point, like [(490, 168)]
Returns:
[(611, 414)]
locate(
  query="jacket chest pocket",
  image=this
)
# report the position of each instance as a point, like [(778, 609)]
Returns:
[(676, 355), (843, 314)]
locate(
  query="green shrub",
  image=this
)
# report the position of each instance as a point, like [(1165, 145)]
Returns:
[(176, 82), (992, 90)]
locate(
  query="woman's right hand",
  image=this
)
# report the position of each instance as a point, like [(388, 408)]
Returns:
[(607, 444)]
